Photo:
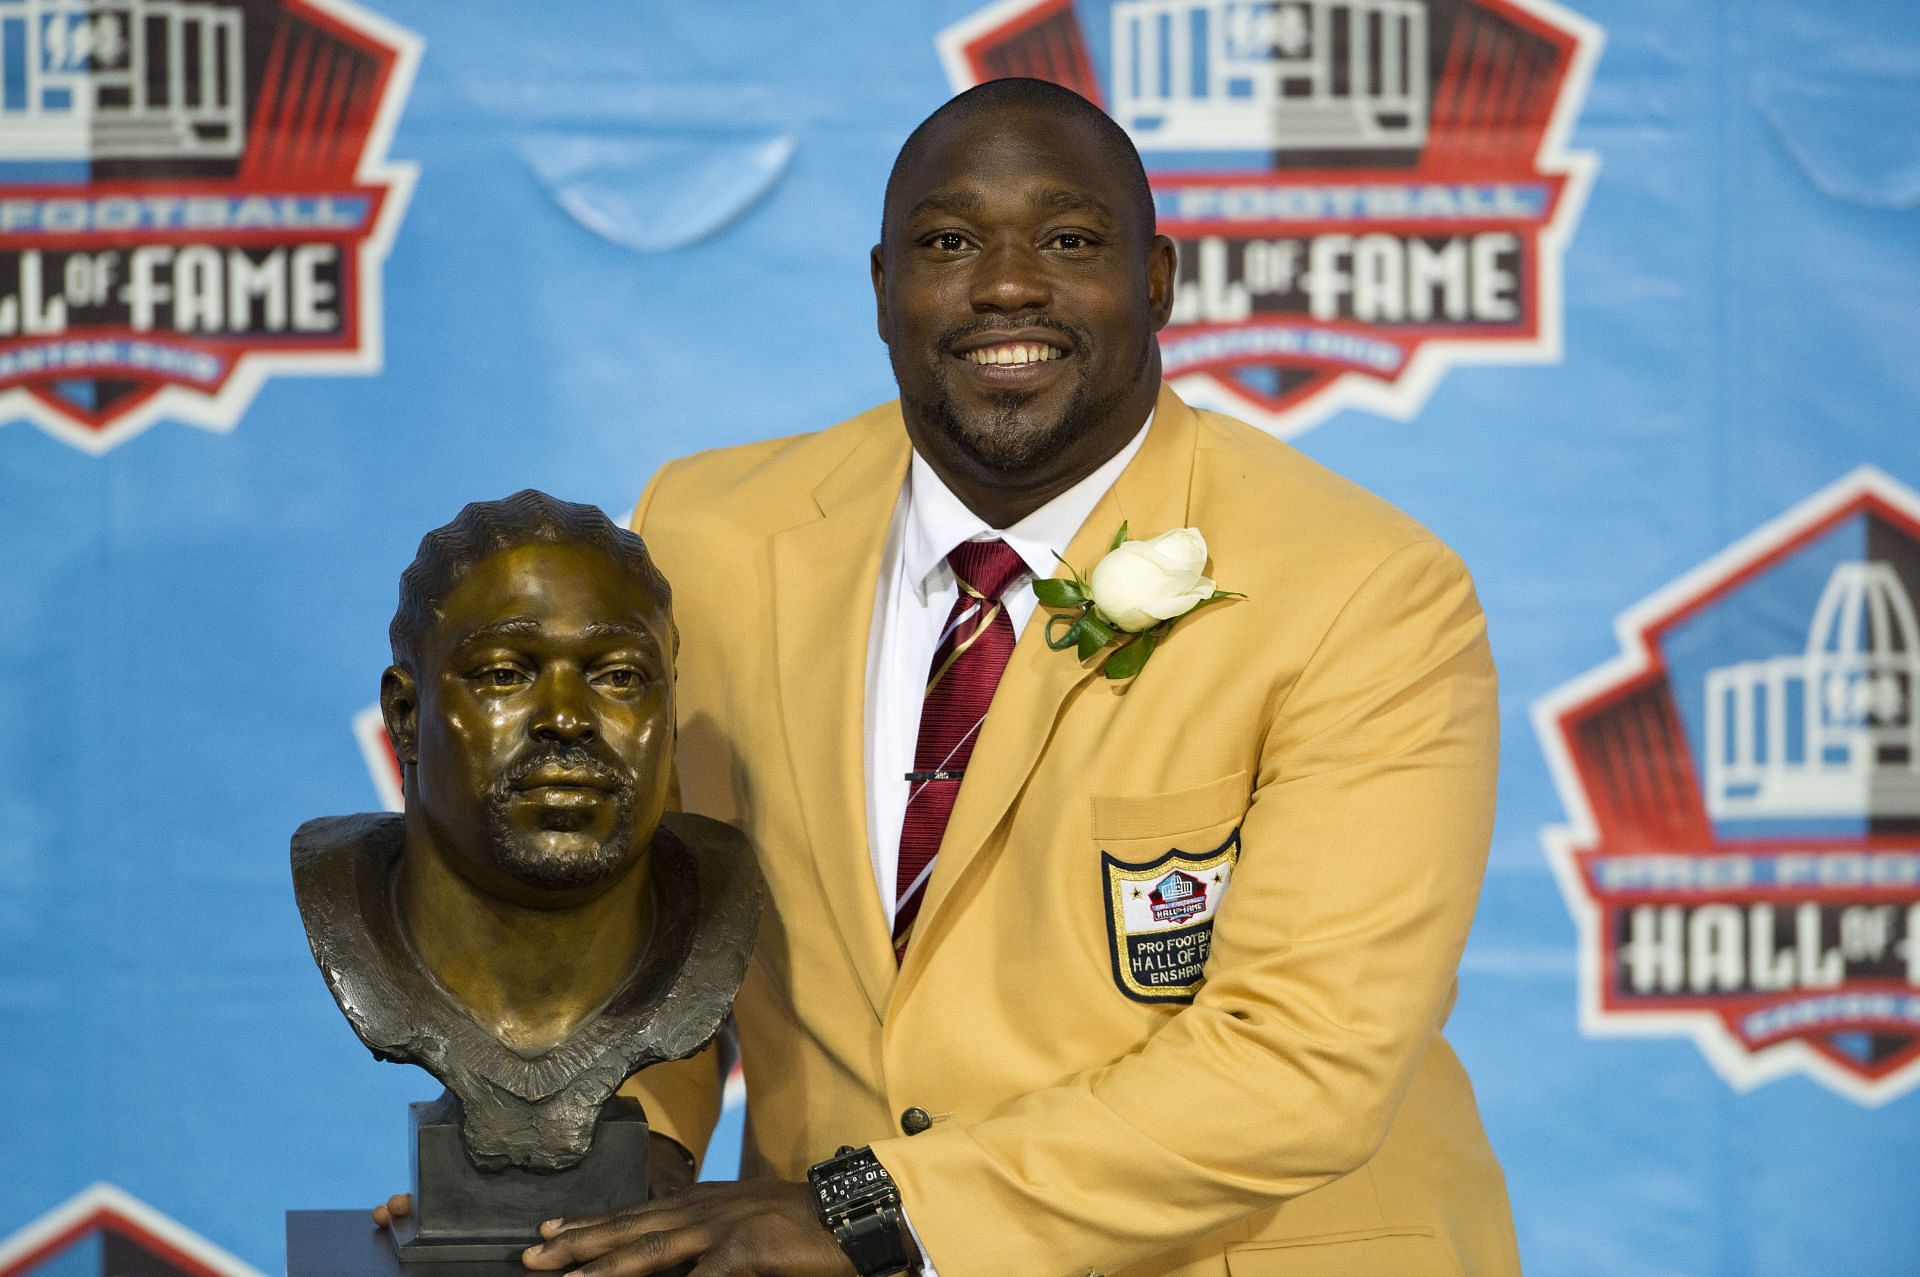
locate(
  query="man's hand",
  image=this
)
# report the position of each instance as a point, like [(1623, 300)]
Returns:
[(669, 1169), (757, 1228), (395, 1207)]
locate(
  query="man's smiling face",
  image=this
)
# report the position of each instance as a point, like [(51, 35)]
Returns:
[(1019, 287)]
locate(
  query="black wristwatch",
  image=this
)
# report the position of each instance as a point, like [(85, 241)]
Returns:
[(859, 1204)]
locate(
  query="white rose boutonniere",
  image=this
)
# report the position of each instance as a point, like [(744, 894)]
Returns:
[(1135, 595)]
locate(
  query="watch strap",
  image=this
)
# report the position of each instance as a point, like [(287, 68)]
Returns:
[(874, 1241)]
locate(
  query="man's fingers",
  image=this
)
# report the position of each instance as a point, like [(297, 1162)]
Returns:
[(574, 1223), (665, 1212), (395, 1207), (554, 1227), (625, 1246)]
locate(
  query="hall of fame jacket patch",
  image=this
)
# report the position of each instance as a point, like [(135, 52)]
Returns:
[(1160, 918)]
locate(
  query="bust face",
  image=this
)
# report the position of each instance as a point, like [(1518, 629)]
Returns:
[(545, 724)]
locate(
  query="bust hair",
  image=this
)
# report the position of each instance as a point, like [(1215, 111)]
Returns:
[(486, 528)]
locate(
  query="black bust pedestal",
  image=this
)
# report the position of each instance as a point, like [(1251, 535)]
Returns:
[(345, 1243), (467, 1222)]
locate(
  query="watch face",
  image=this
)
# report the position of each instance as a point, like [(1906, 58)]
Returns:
[(855, 1182), (855, 1187)]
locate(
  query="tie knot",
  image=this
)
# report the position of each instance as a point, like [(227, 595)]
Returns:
[(986, 567)]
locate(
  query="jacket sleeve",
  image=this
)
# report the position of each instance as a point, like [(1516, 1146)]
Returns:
[(681, 1097), (1332, 967)]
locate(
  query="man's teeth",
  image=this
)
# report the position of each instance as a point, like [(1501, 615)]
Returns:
[(1016, 354)]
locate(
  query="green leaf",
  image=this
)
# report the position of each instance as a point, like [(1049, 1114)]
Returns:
[(1055, 592), (1094, 635), (1119, 538), (1131, 659), (1068, 628)]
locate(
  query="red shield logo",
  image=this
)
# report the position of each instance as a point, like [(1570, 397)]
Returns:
[(194, 196), (1743, 786), (1364, 192)]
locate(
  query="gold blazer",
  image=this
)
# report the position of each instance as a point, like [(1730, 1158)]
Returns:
[(1320, 755)]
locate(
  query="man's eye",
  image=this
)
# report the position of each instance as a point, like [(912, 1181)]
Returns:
[(502, 676), (621, 679), (949, 241), (1071, 241)]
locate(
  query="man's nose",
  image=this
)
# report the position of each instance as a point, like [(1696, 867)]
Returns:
[(1010, 276), (563, 714)]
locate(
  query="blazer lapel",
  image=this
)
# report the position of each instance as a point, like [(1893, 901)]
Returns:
[(1151, 496), (825, 573)]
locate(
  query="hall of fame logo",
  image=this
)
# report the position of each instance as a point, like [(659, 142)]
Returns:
[(194, 196), (1363, 192), (1743, 783), (104, 1232), (1160, 918)]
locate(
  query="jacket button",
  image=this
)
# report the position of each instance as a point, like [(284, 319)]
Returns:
[(916, 1120)]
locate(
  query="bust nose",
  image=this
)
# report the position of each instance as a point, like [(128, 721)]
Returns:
[(562, 716)]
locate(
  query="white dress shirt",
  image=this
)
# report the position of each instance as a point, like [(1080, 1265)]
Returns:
[(916, 592)]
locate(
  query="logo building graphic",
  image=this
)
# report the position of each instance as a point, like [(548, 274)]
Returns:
[(194, 196), (1364, 192), (1267, 77), (1831, 730), (1743, 783), (120, 79)]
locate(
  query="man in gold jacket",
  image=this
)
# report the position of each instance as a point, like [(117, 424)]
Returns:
[(1079, 1064)]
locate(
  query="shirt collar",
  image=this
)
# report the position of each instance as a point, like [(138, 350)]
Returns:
[(937, 520)]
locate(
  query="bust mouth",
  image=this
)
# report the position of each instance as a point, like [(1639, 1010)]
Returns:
[(558, 810), (562, 780)]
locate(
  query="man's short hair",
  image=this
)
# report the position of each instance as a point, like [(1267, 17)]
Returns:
[(1021, 93), (486, 528)]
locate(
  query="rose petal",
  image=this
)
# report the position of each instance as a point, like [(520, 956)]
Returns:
[(1182, 549), (1167, 609)]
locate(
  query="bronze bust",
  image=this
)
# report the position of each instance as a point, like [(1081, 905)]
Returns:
[(535, 926)]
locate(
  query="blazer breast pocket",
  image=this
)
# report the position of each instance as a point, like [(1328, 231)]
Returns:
[(1166, 862), (1130, 818)]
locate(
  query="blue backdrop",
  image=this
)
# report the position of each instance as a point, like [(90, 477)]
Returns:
[(638, 230)]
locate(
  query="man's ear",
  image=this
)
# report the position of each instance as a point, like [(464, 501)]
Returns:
[(876, 264), (400, 708), (1162, 267)]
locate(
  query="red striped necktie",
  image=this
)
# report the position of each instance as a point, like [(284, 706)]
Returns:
[(967, 662)]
